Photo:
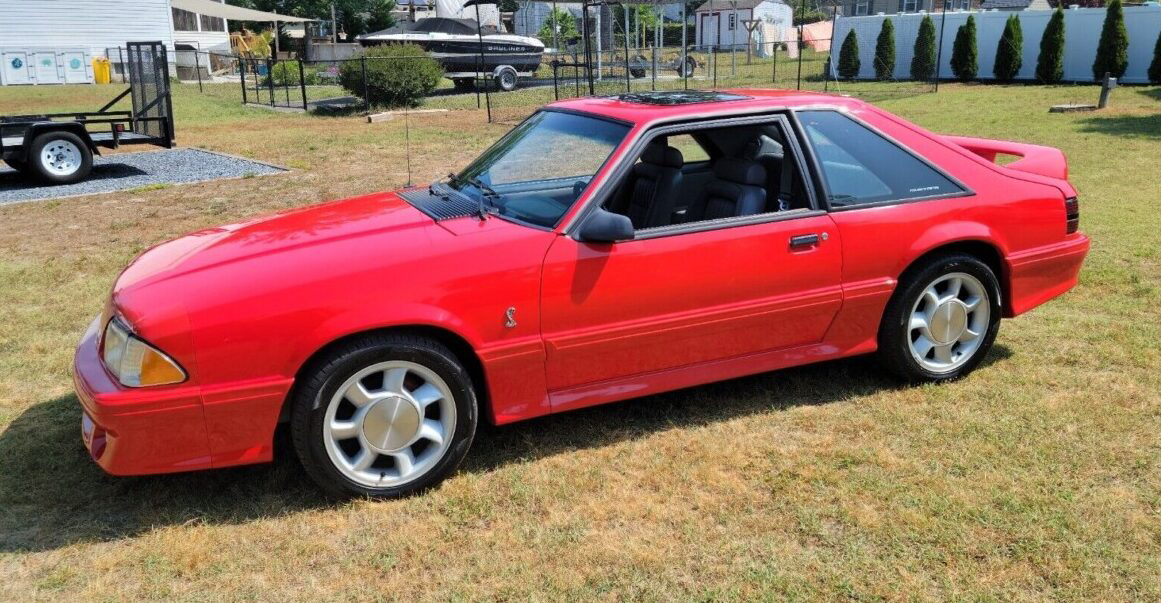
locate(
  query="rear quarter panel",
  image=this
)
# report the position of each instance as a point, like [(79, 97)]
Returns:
[(1015, 215)]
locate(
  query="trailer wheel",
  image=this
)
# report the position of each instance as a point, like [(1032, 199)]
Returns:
[(686, 69), (60, 158), (637, 73), (506, 79)]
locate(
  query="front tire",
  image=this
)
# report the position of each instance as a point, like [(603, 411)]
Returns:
[(942, 320), (384, 416), (60, 158)]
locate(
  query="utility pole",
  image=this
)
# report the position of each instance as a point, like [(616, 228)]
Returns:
[(334, 26)]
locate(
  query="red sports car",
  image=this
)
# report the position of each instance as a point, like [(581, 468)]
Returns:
[(605, 248)]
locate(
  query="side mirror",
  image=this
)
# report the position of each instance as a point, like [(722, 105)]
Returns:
[(604, 226)]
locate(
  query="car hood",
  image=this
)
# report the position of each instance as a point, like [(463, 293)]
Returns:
[(316, 225)]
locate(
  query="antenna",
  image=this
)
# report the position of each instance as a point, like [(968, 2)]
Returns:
[(407, 142)]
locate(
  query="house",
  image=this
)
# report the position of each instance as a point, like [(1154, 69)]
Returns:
[(721, 23), (100, 28), (861, 8), (1015, 5)]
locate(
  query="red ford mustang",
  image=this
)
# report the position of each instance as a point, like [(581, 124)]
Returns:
[(605, 248)]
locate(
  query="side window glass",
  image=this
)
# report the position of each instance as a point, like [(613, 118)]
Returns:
[(691, 150), (862, 167)]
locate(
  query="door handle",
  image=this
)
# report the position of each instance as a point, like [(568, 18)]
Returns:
[(803, 240)]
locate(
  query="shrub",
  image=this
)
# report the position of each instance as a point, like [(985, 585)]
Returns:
[(963, 52), (1155, 66), (1113, 49), (885, 51), (1050, 63), (1010, 52), (398, 75), (564, 23), (923, 60), (285, 73), (848, 65)]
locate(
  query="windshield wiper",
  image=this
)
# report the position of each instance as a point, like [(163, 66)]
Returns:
[(483, 206)]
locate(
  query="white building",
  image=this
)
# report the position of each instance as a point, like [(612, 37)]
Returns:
[(722, 22), (33, 30)]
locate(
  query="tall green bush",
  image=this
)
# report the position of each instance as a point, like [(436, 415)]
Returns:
[(964, 57), (397, 75), (848, 65), (1155, 66), (1113, 49), (1050, 63), (885, 51), (1010, 51), (564, 25), (923, 59)]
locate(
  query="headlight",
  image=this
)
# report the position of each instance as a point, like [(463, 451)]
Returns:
[(135, 363)]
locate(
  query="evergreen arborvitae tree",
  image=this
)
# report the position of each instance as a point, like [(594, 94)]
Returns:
[(848, 65), (1050, 63), (1010, 51), (964, 61), (1155, 66), (923, 60), (885, 51), (1113, 50)]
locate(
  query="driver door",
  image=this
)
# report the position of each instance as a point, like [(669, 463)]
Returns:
[(615, 310)]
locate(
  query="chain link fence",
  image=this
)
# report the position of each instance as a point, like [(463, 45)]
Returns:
[(720, 47)]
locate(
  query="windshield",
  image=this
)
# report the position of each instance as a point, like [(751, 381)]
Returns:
[(539, 169)]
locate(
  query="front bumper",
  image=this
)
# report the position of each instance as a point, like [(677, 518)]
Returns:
[(131, 431)]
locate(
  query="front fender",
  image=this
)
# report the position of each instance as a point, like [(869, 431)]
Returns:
[(355, 321)]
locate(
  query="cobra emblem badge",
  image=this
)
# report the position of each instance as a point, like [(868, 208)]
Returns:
[(510, 316)]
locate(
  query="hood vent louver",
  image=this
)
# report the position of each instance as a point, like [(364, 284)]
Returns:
[(440, 208)]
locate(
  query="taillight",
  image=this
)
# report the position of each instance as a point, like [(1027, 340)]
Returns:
[(1072, 215)]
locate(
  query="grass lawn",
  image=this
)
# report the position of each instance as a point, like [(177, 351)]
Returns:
[(1036, 478)]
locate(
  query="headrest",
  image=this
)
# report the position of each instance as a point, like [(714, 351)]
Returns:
[(659, 154), (740, 171)]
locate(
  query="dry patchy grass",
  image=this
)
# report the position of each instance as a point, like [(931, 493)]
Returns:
[(1035, 478)]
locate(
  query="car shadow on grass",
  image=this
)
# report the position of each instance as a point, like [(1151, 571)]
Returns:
[(52, 495)]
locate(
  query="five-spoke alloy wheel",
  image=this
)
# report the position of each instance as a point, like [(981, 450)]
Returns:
[(942, 319), (384, 416)]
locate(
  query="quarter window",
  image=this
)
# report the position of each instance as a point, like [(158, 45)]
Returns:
[(861, 167)]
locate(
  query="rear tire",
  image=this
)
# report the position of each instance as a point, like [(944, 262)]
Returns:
[(383, 416), (942, 319), (59, 158)]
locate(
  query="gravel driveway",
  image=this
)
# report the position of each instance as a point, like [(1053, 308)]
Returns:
[(132, 170)]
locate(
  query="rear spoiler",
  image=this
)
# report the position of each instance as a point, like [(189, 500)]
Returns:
[(1034, 159)]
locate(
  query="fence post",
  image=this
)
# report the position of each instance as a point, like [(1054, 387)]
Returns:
[(302, 83), (713, 57), (242, 79), (555, 88), (366, 89), (654, 53), (802, 14), (774, 65), (198, 70), (628, 73), (270, 78)]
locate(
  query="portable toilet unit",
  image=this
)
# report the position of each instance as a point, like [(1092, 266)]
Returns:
[(15, 68), (45, 66)]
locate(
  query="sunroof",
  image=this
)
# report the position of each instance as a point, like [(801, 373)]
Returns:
[(679, 97)]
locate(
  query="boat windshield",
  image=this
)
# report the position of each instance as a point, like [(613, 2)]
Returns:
[(538, 170)]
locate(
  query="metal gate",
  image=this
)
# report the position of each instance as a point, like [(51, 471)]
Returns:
[(148, 67)]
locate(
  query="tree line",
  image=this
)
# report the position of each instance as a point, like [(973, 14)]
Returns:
[(1112, 56)]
